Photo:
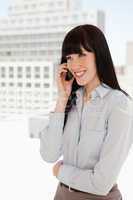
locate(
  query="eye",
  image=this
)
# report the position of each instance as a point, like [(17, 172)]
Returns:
[(68, 57), (82, 54)]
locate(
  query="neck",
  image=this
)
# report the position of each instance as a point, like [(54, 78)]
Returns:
[(91, 86)]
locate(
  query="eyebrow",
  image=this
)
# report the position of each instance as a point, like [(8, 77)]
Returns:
[(75, 53)]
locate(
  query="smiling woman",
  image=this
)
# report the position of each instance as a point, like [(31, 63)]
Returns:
[(93, 136), (83, 68)]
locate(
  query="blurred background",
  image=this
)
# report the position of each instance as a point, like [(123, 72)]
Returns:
[(31, 35)]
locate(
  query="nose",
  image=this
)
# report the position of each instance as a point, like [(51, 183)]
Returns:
[(75, 64)]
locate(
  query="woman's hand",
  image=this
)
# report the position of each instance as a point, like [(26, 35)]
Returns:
[(56, 167), (64, 87)]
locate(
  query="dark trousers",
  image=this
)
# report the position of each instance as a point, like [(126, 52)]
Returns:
[(63, 193)]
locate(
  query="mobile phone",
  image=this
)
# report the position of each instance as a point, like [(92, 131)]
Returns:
[(69, 75)]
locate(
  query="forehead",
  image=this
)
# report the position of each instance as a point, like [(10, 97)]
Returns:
[(81, 50)]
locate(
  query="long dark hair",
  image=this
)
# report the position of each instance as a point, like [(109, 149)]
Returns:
[(92, 39)]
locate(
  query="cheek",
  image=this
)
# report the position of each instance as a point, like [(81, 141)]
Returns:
[(92, 70), (90, 62)]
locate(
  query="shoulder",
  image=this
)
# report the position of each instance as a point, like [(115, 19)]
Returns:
[(121, 101)]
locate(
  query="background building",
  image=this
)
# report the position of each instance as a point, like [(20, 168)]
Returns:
[(25, 87), (125, 73), (31, 35), (129, 54), (128, 79)]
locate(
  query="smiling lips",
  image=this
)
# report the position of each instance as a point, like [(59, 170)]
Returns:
[(79, 74)]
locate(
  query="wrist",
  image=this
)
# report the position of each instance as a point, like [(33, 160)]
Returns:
[(58, 170), (61, 104), (63, 95)]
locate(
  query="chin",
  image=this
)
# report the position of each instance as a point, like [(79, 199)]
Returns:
[(81, 83)]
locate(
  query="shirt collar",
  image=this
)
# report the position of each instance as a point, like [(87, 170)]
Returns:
[(100, 91)]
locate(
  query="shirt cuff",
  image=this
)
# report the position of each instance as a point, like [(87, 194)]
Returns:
[(64, 174)]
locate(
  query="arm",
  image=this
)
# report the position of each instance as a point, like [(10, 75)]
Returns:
[(112, 156), (51, 136)]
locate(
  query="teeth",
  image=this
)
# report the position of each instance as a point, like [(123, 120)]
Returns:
[(79, 73)]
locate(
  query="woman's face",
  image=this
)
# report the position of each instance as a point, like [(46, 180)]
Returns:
[(83, 67)]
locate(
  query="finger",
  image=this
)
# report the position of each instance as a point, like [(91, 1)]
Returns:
[(62, 70), (63, 66), (60, 161)]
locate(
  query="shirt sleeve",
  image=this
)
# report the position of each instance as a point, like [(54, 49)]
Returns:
[(114, 151), (51, 137)]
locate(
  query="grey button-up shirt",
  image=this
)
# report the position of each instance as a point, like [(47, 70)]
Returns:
[(95, 142)]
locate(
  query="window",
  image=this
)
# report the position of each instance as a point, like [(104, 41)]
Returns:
[(37, 76), (37, 69), (13, 21), (28, 69), (36, 101), (11, 75), (28, 84), (25, 6), (20, 69), (20, 93), (2, 75), (2, 69), (28, 93), (3, 84), (46, 94), (20, 107), (46, 69), (37, 85), (46, 85), (8, 53), (46, 75), (11, 100), (20, 84), (11, 93), (11, 69), (33, 6), (10, 8), (19, 100), (46, 102), (19, 76), (28, 75), (47, 19), (11, 84), (37, 93)]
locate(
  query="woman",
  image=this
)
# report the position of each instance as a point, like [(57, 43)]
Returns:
[(91, 125)]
